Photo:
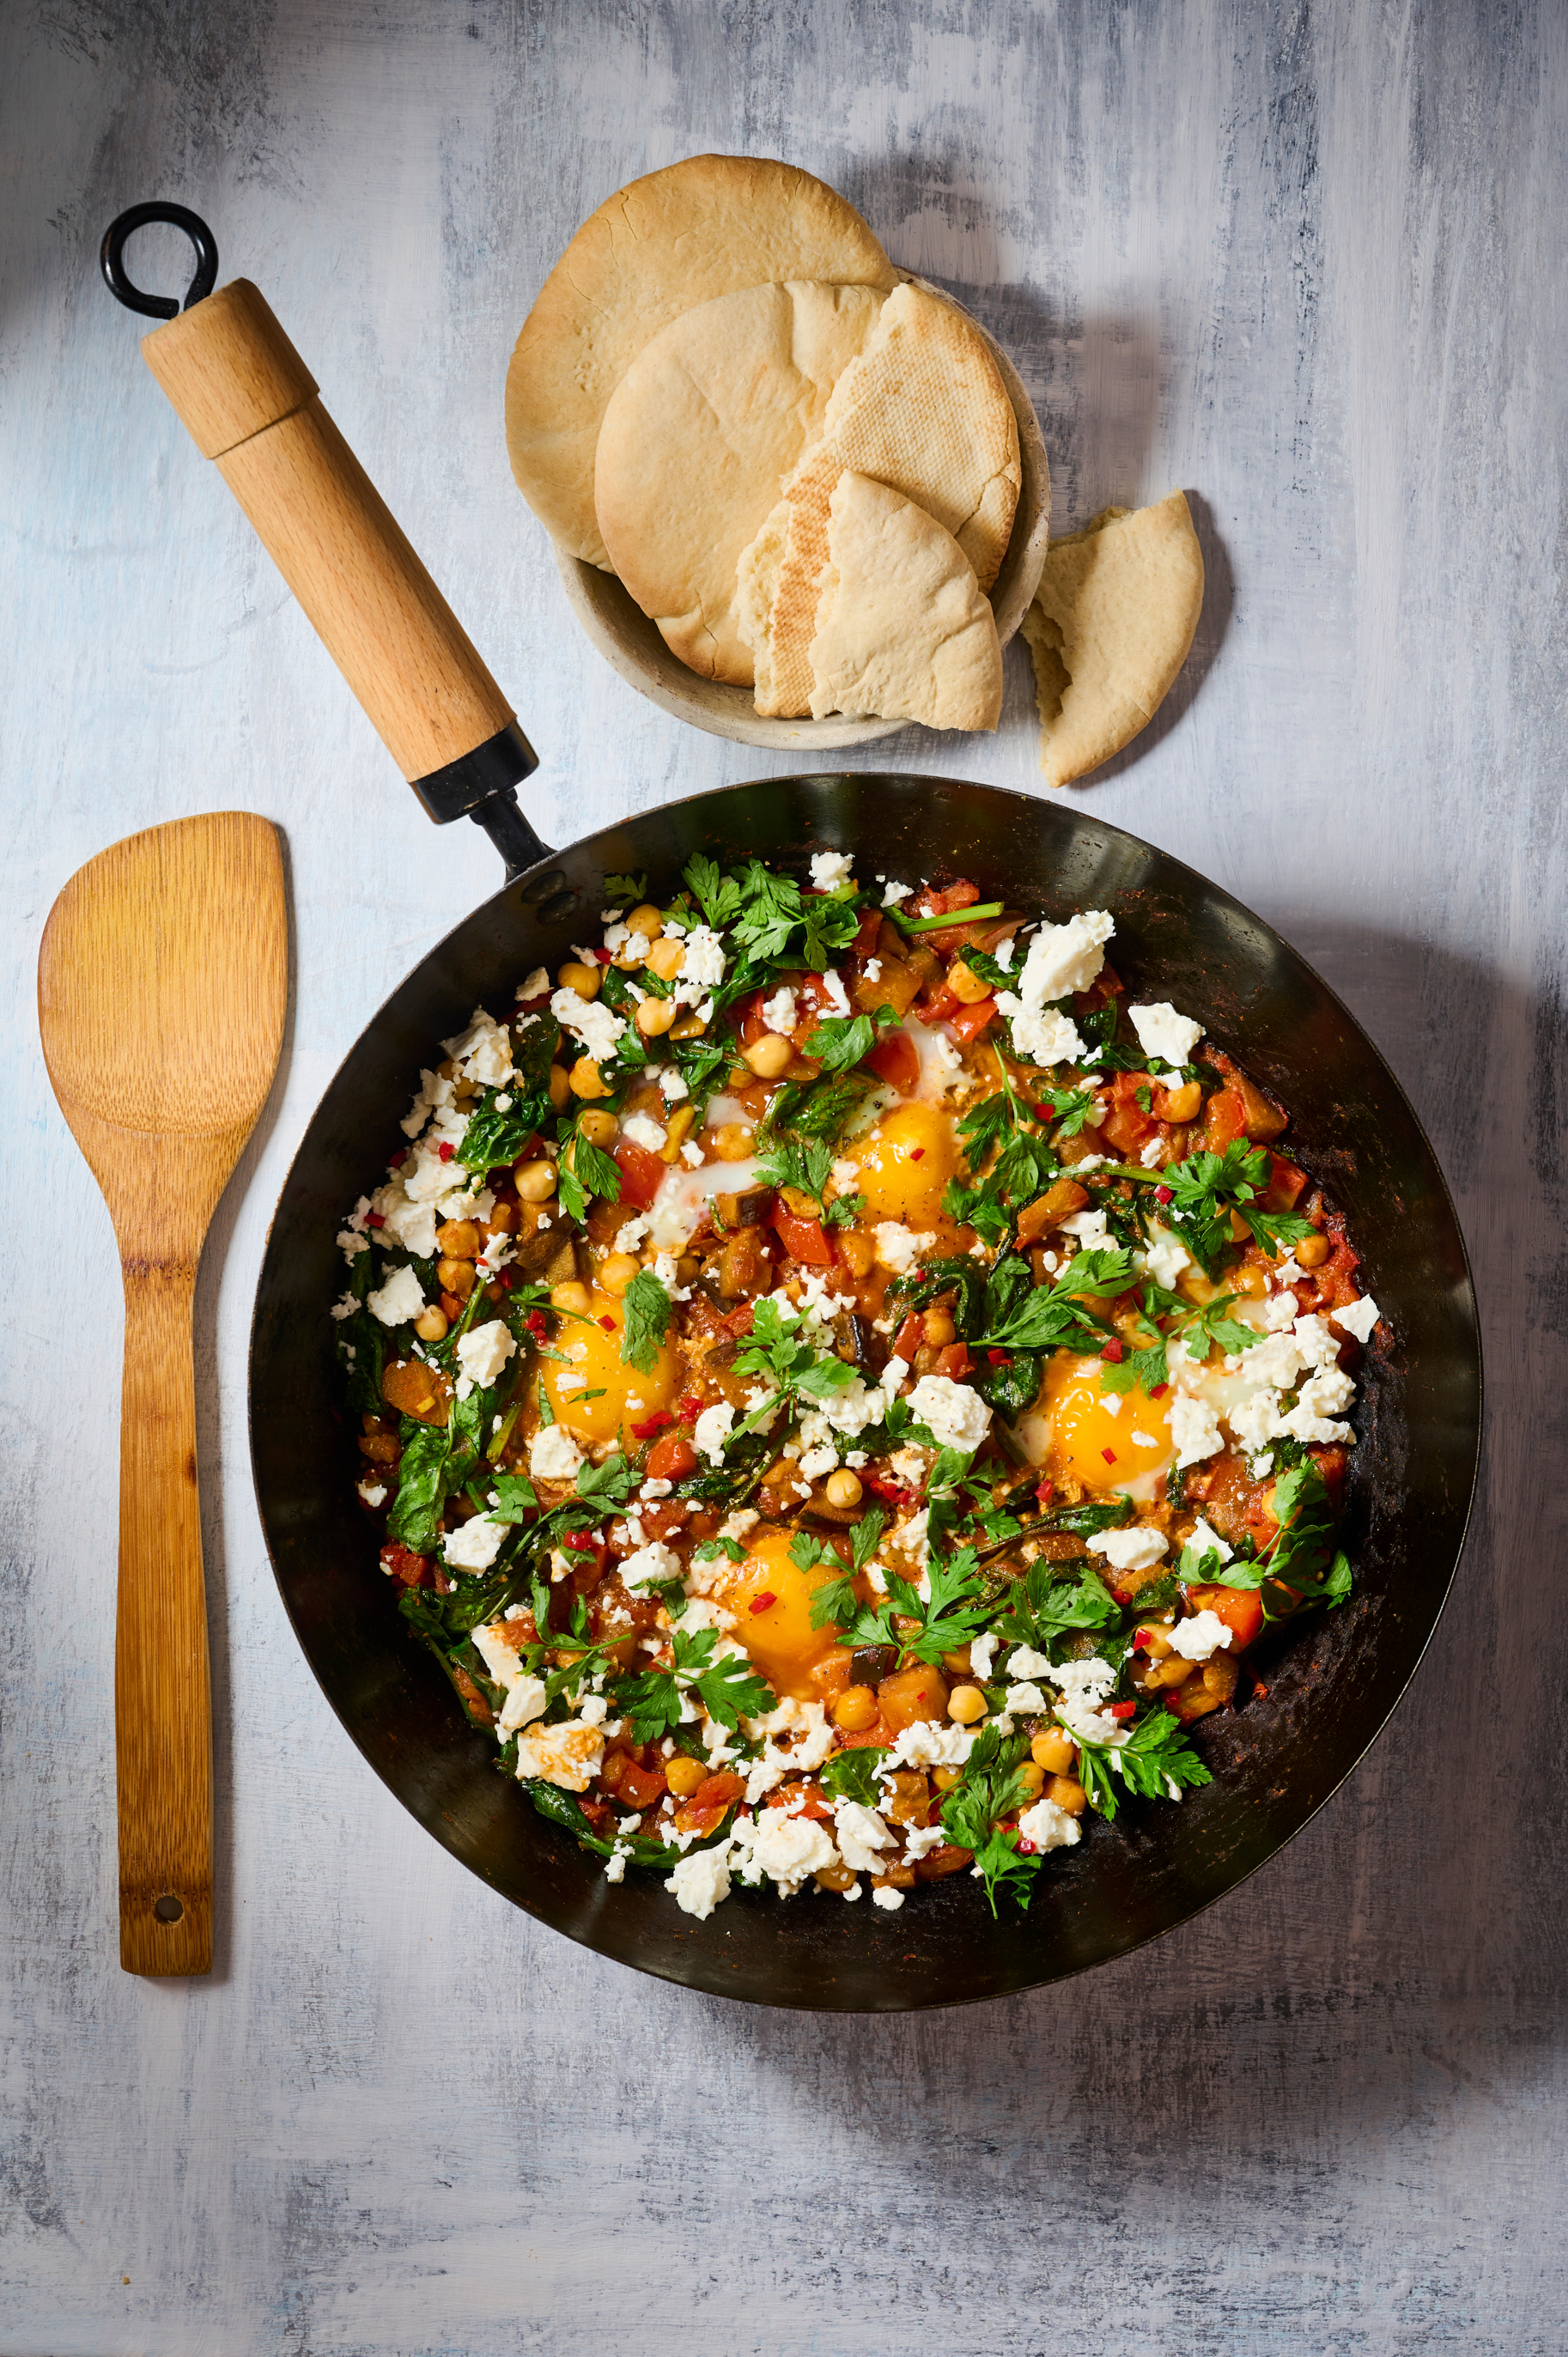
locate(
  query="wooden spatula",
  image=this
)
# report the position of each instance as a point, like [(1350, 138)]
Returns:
[(163, 982)]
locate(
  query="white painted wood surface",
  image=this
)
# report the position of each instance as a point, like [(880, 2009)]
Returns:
[(1306, 262)]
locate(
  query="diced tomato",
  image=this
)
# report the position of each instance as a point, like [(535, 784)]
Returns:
[(971, 1021), (1240, 1608), (639, 1787), (1127, 1126), (941, 1005), (642, 1173), (803, 1239), (892, 1493), (896, 1060), (815, 1805), (955, 1362), (1224, 1120), (746, 1015), (961, 895), (739, 1321), (721, 1788), (399, 1563), (865, 942), (908, 1338), (599, 1815), (1285, 1185), (672, 1458)]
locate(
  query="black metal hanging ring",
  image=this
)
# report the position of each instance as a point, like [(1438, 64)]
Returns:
[(158, 307)]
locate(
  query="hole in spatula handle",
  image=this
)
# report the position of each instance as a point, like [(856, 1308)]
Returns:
[(168, 1909)]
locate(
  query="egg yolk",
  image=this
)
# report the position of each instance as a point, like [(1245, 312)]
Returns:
[(771, 1599), (1104, 1449), (906, 1163), (626, 1396)]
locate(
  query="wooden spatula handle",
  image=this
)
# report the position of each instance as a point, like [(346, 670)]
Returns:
[(252, 405), (162, 1695)]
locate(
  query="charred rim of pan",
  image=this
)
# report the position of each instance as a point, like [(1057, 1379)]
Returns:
[(1332, 1682)]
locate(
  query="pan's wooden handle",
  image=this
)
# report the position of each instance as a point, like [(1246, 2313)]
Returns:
[(163, 1711), (252, 405)]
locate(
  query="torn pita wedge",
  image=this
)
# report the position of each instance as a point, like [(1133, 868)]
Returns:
[(923, 410), (903, 628), (1109, 628), (677, 237), (697, 439)]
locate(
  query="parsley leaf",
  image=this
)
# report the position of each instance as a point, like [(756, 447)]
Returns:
[(956, 1610), (1022, 1168), (1300, 1567), (1047, 1604), (727, 1689), (820, 1111), (647, 1309), (806, 1164), (717, 894), (841, 1040), (1157, 1762), (1211, 1325), (992, 1787), (584, 1170), (1053, 1315), (851, 1775)]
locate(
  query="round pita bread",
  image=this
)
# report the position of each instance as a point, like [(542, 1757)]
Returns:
[(903, 627), (1109, 628), (696, 440), (660, 246)]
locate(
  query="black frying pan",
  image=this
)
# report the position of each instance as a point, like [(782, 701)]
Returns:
[(1331, 1682)]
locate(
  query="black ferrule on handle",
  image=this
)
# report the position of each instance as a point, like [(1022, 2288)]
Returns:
[(481, 786), (111, 255)]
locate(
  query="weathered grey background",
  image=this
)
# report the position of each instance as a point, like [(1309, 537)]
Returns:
[(1306, 262)]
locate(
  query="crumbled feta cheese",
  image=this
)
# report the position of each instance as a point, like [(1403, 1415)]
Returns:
[(351, 1246), (920, 1840), (1047, 1827), (888, 1898), (598, 1026), (1205, 1541), (1089, 1230), (786, 1849), (1026, 1698), (1194, 1430), (553, 1456), (536, 984), (346, 1308), (475, 1544), (861, 1834), (895, 893), (1042, 1036), (374, 1493), (833, 982), (1165, 1034), (568, 1754), (1357, 1317), (956, 1417), (1024, 1662), (399, 1298), (983, 1652), (483, 1052), (630, 1233), (484, 1350), (701, 1881), (1065, 958), (736, 1525), (1318, 1402), (1279, 1312), (701, 965), (1150, 1154), (1083, 1685), (1255, 1420), (931, 1744), (831, 868), (525, 1702), (653, 1566), (673, 1085), (712, 1430), (692, 1154), (643, 1132), (1197, 1639), (898, 1247), (779, 1012), (1130, 1550)]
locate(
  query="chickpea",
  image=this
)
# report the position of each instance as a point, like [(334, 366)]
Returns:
[(1181, 1104), (587, 1080), (683, 1775), (536, 1181), (502, 1220), (559, 1087), (1054, 1750), (690, 1027), (769, 1057), (938, 1327), (599, 1128), (1174, 1671), (731, 1142), (1311, 1251), (431, 1324), (966, 1703), (665, 957), (944, 1779), (965, 983), (856, 1710), (583, 979), (570, 1295), (1032, 1776), (618, 1271), (655, 1016), (688, 1268), (859, 1252), (1069, 1794), (646, 919), (835, 1877), (457, 1278), (457, 1240), (842, 1488)]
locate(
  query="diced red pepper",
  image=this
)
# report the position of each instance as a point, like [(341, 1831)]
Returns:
[(917, 1154), (652, 1424), (604, 955), (1159, 1391), (941, 1004), (998, 1358), (1109, 1455), (642, 1173), (1141, 1639), (865, 942), (401, 1563), (534, 1322), (908, 1338), (446, 1150), (764, 1603), (1045, 1493), (580, 1541), (1114, 1352), (1120, 1709), (803, 1239), (399, 1158), (689, 1406), (374, 1220), (955, 1362), (971, 1021), (1163, 1195), (891, 1492), (896, 1060), (608, 1324)]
